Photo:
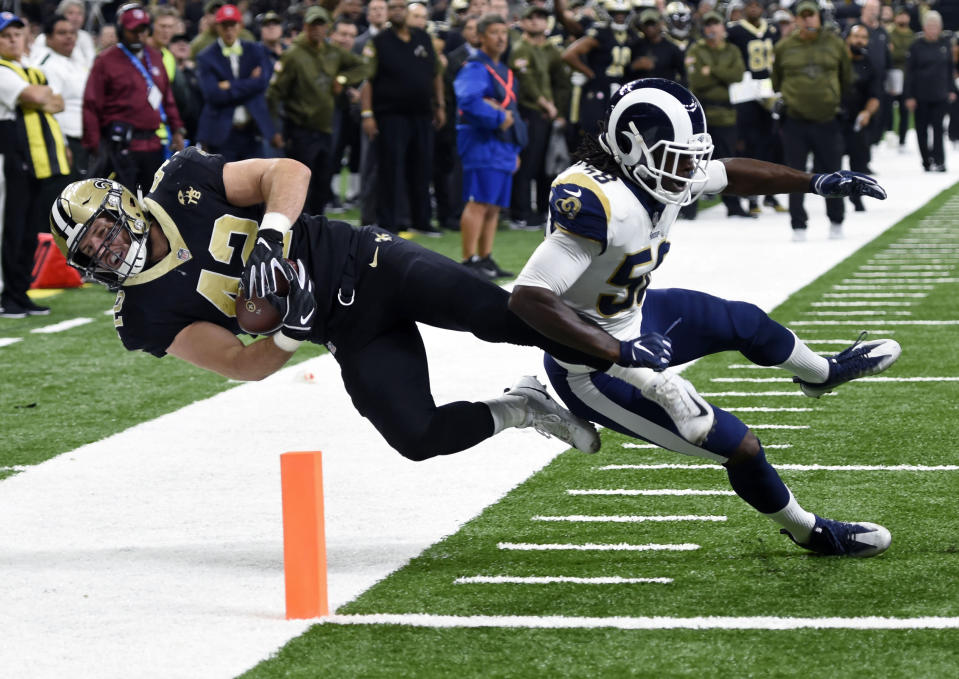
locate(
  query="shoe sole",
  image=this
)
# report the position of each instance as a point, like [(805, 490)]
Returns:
[(812, 390), (533, 384)]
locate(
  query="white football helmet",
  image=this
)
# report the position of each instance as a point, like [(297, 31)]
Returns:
[(73, 214), (656, 133)]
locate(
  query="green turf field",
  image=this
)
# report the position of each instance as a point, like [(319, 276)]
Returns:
[(726, 560)]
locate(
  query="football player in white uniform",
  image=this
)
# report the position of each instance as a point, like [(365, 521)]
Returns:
[(586, 286)]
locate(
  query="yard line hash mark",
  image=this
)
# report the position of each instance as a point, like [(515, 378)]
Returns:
[(594, 547), (548, 580)]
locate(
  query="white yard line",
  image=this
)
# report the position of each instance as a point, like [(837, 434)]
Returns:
[(554, 579), (861, 379), (799, 467), (647, 491), (655, 518), (654, 623), (165, 541), (7, 341), (720, 394), (61, 326), (763, 409), (594, 547), (872, 295)]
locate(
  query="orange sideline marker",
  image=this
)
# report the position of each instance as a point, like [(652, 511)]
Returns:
[(304, 537)]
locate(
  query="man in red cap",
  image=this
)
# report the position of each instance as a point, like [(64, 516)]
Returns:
[(130, 119), (234, 75)]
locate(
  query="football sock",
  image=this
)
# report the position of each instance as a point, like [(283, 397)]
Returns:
[(795, 519), (806, 364), (508, 410), (756, 482)]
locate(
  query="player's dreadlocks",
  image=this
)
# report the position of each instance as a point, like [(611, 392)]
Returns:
[(590, 152)]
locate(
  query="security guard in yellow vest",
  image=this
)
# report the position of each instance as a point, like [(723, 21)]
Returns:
[(35, 165)]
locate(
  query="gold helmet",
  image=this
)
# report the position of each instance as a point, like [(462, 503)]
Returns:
[(117, 247), (616, 8)]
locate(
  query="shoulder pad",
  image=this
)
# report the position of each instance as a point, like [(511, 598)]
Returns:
[(579, 206)]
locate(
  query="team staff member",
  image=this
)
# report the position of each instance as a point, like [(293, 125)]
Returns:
[(713, 65), (930, 71), (901, 37), (34, 158), (812, 70), (400, 103), (127, 98), (860, 104), (312, 72), (543, 80)]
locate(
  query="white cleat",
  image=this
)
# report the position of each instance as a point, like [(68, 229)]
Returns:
[(550, 419), (691, 414)]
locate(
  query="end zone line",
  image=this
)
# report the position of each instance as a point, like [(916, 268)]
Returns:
[(800, 467), (646, 623), (594, 547)]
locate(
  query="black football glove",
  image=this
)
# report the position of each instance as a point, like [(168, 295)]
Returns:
[(845, 183), (299, 305), (264, 265), (651, 350)]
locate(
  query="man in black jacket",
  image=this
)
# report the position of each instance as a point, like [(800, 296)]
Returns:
[(929, 88), (859, 104)]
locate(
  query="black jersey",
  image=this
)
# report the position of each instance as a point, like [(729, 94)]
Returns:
[(210, 240), (756, 45), (611, 58)]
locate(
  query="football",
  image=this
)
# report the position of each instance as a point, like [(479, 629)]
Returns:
[(256, 315)]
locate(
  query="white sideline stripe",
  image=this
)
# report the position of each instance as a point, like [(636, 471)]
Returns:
[(6, 341), (860, 302), (548, 580), (62, 325), (715, 394), (867, 295), (594, 547), (657, 518), (886, 321), (778, 426), (649, 491), (647, 623), (861, 379), (800, 467), (879, 287), (764, 409)]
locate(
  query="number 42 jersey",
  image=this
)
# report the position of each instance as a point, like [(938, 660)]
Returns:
[(606, 236)]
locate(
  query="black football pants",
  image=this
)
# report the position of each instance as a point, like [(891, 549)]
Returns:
[(824, 141), (381, 354), (405, 165)]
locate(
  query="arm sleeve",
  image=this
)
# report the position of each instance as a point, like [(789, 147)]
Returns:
[(558, 262)]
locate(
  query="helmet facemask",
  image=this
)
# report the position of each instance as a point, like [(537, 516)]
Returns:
[(130, 231)]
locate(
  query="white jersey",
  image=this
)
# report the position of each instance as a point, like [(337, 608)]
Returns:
[(606, 237)]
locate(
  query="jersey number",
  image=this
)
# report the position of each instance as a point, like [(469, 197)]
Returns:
[(620, 56), (760, 54), (634, 287)]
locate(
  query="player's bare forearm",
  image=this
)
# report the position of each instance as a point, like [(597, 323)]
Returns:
[(280, 183), (749, 177), (545, 312), (216, 349)]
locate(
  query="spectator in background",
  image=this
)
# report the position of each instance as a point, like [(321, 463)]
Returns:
[(346, 128), (878, 53), (271, 36), (490, 135), (312, 73), (417, 16), (812, 71), (208, 34), (714, 64), (859, 104), (376, 17), (653, 55), (901, 37), (448, 169), (107, 37), (784, 21), (68, 78), (400, 103), (126, 100), (543, 80), (929, 88), (166, 24), (84, 51), (234, 75), (35, 165), (186, 85)]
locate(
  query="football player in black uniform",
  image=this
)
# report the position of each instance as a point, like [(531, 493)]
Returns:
[(603, 56), (178, 257), (755, 38)]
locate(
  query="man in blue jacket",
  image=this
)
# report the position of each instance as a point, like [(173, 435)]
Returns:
[(234, 75), (489, 136)]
